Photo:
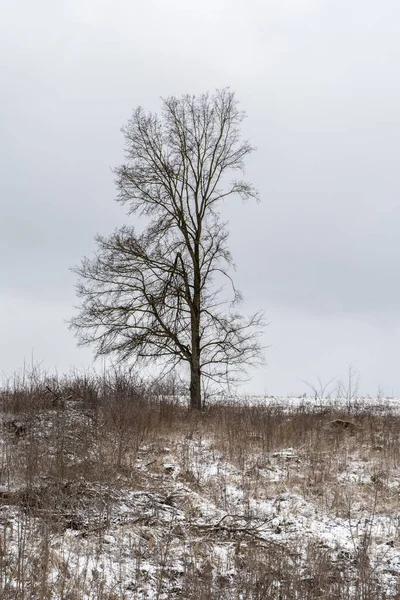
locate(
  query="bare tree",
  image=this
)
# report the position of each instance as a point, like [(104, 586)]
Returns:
[(158, 296)]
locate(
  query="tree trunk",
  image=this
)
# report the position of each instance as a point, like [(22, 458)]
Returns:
[(195, 370), (195, 386)]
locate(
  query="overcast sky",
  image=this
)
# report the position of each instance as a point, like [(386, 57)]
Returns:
[(320, 83)]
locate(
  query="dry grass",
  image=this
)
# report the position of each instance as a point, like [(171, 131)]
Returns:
[(75, 452)]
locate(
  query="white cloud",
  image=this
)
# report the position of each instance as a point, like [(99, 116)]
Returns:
[(319, 80)]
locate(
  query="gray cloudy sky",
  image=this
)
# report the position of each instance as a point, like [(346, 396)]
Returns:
[(320, 82)]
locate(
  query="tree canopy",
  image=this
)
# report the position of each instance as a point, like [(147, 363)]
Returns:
[(158, 296)]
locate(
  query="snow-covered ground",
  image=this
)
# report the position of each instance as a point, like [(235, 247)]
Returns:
[(207, 506), (312, 403)]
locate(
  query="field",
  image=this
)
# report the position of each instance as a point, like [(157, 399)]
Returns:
[(113, 490)]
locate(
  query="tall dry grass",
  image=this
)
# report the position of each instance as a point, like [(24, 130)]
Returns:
[(70, 444)]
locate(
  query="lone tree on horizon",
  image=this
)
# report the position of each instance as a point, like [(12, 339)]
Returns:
[(157, 297)]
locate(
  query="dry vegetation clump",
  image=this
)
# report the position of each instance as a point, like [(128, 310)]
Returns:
[(110, 488)]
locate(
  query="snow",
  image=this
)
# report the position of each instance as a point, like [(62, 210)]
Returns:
[(144, 540)]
